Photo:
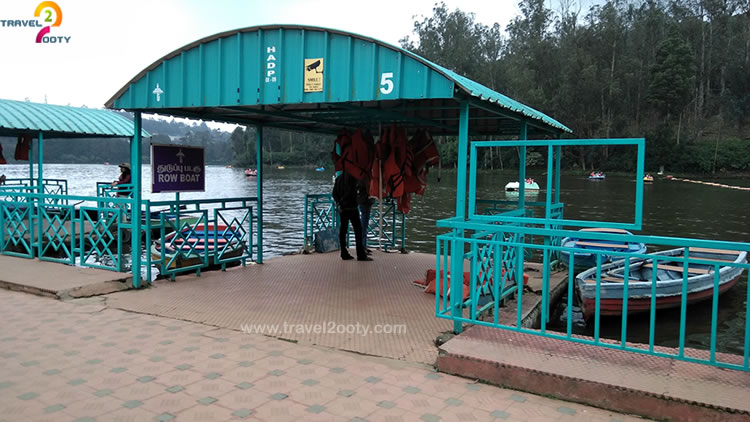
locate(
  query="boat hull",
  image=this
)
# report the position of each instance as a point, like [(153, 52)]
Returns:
[(178, 253), (670, 283), (613, 307)]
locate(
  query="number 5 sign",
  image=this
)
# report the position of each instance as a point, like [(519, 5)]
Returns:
[(386, 82)]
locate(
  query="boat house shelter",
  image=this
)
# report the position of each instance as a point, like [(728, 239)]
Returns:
[(322, 80), (37, 215)]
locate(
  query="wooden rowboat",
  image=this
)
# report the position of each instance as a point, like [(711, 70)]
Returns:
[(669, 281)]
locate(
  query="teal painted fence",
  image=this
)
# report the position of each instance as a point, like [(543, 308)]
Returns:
[(184, 222), (320, 214), (45, 226), (496, 238)]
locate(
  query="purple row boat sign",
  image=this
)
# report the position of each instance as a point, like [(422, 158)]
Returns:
[(177, 168)]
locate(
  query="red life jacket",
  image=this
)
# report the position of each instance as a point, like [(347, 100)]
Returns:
[(22, 148), (2, 159), (393, 168), (355, 155)]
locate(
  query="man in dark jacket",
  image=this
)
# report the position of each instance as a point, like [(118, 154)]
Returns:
[(365, 204), (345, 196)]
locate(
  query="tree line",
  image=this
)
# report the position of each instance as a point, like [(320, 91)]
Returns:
[(676, 72)]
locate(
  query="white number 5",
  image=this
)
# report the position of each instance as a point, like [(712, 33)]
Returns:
[(386, 84)]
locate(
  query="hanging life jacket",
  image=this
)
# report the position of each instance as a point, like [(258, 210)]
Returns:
[(354, 154), (22, 148), (2, 159)]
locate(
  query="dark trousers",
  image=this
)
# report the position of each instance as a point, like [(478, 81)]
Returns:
[(364, 211), (352, 216)]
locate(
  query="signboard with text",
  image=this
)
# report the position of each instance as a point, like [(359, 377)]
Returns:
[(177, 168)]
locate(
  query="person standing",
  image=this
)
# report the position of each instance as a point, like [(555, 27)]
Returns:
[(345, 196), (365, 205), (124, 179)]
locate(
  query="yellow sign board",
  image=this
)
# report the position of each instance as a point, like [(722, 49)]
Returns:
[(314, 75)]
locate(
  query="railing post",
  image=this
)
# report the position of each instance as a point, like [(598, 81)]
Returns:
[(40, 191), (457, 255), (135, 206), (259, 184)]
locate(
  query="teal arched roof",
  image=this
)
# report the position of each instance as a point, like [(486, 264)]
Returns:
[(272, 75), (56, 121)]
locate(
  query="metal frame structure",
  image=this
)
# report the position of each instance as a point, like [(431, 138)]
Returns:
[(499, 239), (36, 218), (256, 76)]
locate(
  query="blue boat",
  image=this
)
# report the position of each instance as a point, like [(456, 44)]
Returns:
[(320, 169), (588, 259), (598, 175)]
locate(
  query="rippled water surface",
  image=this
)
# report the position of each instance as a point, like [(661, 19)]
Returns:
[(670, 208)]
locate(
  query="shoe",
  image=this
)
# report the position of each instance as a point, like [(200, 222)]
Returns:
[(368, 251), (346, 257), (367, 258)]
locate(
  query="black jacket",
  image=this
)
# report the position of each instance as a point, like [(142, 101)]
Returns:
[(345, 191)]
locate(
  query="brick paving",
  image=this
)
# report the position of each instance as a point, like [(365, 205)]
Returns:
[(305, 290), (82, 361)]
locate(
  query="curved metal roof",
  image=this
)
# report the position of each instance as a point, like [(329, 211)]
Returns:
[(267, 75), (17, 117)]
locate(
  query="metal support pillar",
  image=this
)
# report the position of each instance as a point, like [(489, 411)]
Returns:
[(259, 182), (558, 159), (31, 160), (522, 168), (40, 190), (457, 249), (40, 156), (135, 205)]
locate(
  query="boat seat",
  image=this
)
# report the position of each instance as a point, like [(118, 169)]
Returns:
[(707, 261), (598, 229), (603, 245), (716, 251), (610, 279), (677, 268)]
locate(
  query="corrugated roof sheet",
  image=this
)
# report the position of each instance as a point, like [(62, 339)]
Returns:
[(62, 121), (475, 89), (224, 70)]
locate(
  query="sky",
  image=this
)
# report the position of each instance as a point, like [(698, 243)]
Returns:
[(112, 41)]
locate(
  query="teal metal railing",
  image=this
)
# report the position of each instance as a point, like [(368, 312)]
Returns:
[(489, 261), (45, 226), (191, 235), (320, 214), (495, 238), (55, 187)]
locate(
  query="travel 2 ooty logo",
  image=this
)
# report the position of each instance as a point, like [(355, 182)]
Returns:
[(48, 14)]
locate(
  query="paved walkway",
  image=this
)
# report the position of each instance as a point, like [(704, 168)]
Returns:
[(81, 361), (55, 279), (309, 290)]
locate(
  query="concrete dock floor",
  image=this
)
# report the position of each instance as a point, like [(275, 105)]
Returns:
[(59, 280)]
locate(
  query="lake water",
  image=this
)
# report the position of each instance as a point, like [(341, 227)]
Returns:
[(670, 208)]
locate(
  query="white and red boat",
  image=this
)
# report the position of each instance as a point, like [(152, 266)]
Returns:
[(188, 247), (251, 173), (669, 280)]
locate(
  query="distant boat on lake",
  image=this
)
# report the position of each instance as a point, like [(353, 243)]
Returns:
[(530, 184)]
